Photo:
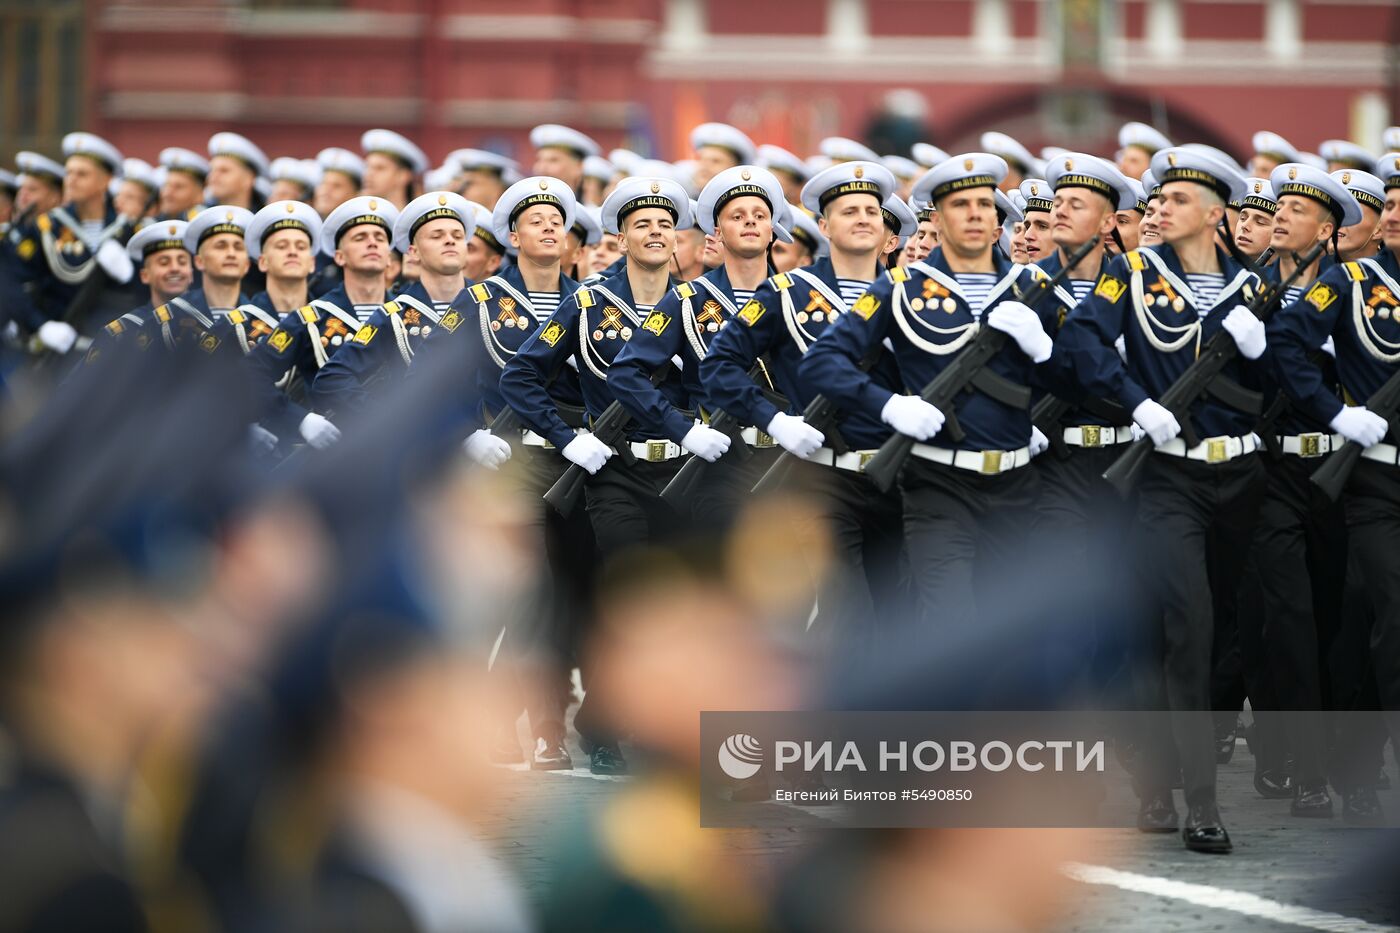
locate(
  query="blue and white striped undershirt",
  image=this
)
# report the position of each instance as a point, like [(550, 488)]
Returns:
[(1081, 288), (1206, 286), (976, 287), (546, 303), (851, 289), (742, 296), (362, 312), (1292, 294)]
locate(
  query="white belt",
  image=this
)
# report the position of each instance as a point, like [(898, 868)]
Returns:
[(756, 438), (1093, 435), (986, 462), (655, 451), (853, 461), (1388, 454), (1310, 445), (1212, 449)]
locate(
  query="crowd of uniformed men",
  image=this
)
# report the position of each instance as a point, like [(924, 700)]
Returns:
[(748, 281)]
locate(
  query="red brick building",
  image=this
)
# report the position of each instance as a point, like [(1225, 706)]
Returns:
[(296, 76)]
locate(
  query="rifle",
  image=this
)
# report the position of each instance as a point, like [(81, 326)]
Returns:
[(611, 429), (1332, 476), (1048, 412), (1204, 376), (969, 370), (685, 480)]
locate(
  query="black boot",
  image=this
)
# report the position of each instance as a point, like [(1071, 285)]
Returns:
[(1204, 832)]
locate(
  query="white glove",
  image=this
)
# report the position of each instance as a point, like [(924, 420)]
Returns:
[(1247, 330), (912, 416), (1159, 423), (795, 435), (261, 439), (58, 336), (486, 449), (1329, 346), (1039, 442), (318, 431), (113, 258), (588, 452), (1358, 423), (1022, 325), (705, 442)]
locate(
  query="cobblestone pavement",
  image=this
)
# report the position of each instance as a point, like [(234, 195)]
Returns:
[(1289, 863)]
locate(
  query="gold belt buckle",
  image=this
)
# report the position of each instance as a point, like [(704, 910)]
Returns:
[(656, 451), (1310, 445), (865, 457), (1216, 451), (991, 461), (762, 440), (1091, 435)]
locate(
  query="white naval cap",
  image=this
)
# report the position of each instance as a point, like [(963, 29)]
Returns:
[(1081, 170), (1036, 195), (304, 172), (899, 217), (1220, 155), (1011, 211), (684, 171), (1366, 188), (262, 186), (31, 163), (429, 207), (1143, 136), (737, 182), (1049, 152), (999, 144), (588, 224), (1313, 159), (1197, 164), (1139, 195), (861, 177), (397, 146), (818, 163), (555, 136), (156, 236), (8, 180), (1258, 195), (805, 231), (1390, 139), (598, 168), (440, 177), (525, 194), (354, 213), (484, 160), (483, 229), (1348, 153), (843, 149), (281, 215), (221, 218), (626, 160), (1018, 201), (634, 194), (175, 159), (1388, 168), (778, 159), (1151, 185), (960, 172), (95, 148), (141, 172), (928, 155), (241, 148), (347, 163), (1274, 146), (901, 168), (725, 137), (1317, 185)]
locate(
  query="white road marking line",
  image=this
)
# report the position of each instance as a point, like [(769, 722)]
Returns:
[(568, 772), (1240, 902)]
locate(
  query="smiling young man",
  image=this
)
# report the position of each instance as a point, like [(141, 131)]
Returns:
[(1353, 307), (591, 328), (434, 229), (1164, 303), (1363, 238), (163, 265), (1035, 227), (785, 318)]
